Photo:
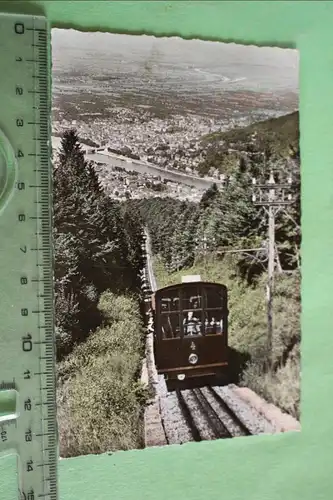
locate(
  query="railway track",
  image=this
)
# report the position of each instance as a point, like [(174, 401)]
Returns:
[(206, 414), (208, 407)]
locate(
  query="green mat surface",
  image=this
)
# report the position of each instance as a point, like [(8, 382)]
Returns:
[(288, 466)]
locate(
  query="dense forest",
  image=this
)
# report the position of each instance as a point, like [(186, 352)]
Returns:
[(99, 327), (97, 246), (276, 137)]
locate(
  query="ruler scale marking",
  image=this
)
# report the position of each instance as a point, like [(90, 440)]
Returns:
[(28, 326)]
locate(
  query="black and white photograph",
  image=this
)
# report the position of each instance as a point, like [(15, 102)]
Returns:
[(177, 236)]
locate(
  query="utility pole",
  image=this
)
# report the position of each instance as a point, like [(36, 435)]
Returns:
[(205, 245), (176, 260), (272, 197)]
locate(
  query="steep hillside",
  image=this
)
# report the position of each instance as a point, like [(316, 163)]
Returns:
[(277, 137)]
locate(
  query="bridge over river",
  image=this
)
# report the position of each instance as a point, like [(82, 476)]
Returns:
[(142, 166)]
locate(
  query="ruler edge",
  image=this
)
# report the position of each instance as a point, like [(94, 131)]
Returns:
[(46, 120)]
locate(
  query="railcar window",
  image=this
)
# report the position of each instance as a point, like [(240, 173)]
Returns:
[(213, 298), (170, 314), (175, 304), (166, 305), (192, 323), (170, 325), (170, 302), (191, 298), (193, 310), (213, 322)]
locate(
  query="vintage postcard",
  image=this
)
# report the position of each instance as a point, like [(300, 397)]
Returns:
[(177, 237)]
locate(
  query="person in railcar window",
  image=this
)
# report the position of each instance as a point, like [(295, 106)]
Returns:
[(192, 322), (219, 326), (213, 323)]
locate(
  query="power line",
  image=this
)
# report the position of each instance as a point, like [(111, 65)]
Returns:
[(240, 250)]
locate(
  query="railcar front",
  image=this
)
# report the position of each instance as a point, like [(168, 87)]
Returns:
[(191, 330)]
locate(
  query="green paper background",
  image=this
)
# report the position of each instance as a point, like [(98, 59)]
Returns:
[(286, 466)]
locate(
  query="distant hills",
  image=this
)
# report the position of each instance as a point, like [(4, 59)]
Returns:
[(278, 137)]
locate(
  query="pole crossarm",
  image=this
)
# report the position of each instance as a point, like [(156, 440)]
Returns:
[(268, 186)]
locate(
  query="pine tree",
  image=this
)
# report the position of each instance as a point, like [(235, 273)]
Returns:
[(209, 196), (133, 226), (93, 180), (71, 154), (92, 246)]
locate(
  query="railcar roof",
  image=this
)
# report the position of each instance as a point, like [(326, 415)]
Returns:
[(202, 284)]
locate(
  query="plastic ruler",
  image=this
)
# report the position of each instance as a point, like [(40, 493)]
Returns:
[(27, 349)]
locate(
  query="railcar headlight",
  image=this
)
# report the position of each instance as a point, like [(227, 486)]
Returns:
[(193, 359)]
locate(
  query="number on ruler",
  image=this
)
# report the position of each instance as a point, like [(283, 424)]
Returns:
[(28, 436), (27, 404), (30, 465), (3, 435), (26, 342), (28, 496)]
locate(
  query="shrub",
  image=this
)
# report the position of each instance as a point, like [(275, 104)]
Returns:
[(282, 387), (100, 400)]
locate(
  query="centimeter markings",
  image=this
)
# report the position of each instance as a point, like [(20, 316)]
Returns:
[(30, 337)]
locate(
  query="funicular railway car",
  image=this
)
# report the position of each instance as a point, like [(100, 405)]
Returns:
[(191, 329)]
